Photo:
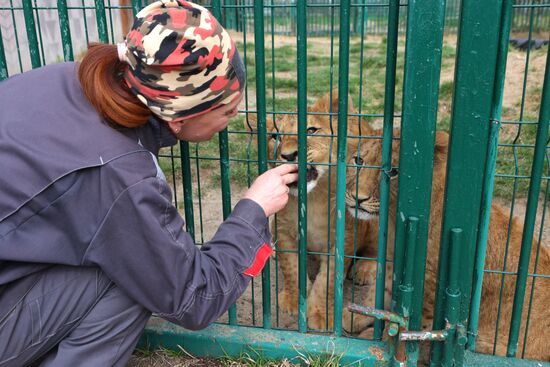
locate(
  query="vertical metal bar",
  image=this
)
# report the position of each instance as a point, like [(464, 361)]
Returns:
[(85, 21), (471, 113), (3, 63), (224, 165), (15, 31), (489, 178), (187, 189), (101, 21), (302, 162), (199, 195), (65, 30), (452, 307), (274, 157), (262, 141), (343, 78), (39, 29), (31, 34), (535, 267), (425, 20), (407, 285), (531, 212), (406, 353), (389, 107), (136, 7)]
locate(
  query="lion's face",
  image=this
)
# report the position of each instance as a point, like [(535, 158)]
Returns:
[(283, 145), (363, 183), (321, 139)]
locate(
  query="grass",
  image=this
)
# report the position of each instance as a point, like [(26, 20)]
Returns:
[(163, 357)]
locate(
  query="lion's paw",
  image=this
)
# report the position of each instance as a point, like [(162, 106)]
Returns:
[(363, 273), (317, 319), (288, 301)]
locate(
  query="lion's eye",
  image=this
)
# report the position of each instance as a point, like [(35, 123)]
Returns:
[(393, 173), (359, 161), (312, 130)]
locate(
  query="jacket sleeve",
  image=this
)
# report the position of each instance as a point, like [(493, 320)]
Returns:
[(142, 247)]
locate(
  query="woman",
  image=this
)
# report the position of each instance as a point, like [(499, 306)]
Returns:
[(90, 243)]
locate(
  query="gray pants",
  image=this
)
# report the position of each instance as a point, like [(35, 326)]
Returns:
[(68, 316)]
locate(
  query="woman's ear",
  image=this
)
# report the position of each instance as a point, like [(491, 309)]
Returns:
[(175, 126)]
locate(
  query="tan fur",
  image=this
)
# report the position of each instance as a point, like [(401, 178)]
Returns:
[(539, 326), (320, 149)]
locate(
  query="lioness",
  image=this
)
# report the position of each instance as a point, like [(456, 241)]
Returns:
[(367, 204), (321, 152)]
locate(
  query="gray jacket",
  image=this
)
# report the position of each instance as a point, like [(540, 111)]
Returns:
[(76, 191)]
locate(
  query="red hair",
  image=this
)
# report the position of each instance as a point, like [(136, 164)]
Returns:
[(100, 74)]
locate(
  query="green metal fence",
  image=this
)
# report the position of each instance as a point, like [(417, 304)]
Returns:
[(493, 100), (372, 15)]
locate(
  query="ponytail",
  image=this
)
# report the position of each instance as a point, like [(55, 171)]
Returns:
[(100, 74)]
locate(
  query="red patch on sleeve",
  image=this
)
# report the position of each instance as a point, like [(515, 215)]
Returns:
[(261, 257)]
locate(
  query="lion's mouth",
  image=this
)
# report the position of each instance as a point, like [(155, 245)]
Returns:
[(311, 175), (362, 213)]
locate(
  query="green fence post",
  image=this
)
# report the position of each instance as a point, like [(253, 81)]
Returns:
[(262, 139), (531, 211), (472, 98), (301, 41), (101, 21), (389, 108), (3, 63), (489, 178), (224, 166), (65, 30), (343, 78), (31, 34), (406, 354), (425, 21), (187, 188), (452, 307)]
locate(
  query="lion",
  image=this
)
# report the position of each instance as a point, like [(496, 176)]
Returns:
[(321, 189), (364, 199)]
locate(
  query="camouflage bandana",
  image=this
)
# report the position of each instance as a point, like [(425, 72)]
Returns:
[(183, 63)]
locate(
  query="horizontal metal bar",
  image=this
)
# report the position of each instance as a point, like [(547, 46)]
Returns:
[(533, 275), (379, 314), (234, 341), (423, 335)]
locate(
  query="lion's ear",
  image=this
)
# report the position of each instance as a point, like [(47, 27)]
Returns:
[(329, 102), (251, 123)]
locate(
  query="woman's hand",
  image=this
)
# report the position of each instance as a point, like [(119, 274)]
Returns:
[(270, 189)]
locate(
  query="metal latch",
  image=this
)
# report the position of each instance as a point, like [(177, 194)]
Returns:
[(399, 325)]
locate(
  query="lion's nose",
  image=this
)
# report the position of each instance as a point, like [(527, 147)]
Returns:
[(291, 157)]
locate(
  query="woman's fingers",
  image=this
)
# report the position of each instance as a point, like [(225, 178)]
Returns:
[(285, 168), (290, 178)]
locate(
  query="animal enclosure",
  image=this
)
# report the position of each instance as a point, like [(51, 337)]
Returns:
[(408, 187)]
